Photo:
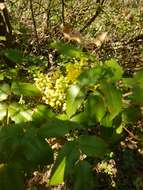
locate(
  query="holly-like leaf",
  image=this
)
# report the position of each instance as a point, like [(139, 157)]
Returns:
[(19, 113), (11, 178), (10, 143), (14, 55), (137, 96), (139, 77), (74, 100), (95, 108), (113, 99), (35, 150), (131, 114), (69, 153), (115, 68), (58, 176), (26, 89), (90, 77), (93, 146), (4, 91), (68, 50), (54, 127), (3, 110), (83, 178)]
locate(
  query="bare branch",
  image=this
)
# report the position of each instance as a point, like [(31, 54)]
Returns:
[(63, 11), (34, 22), (94, 16)]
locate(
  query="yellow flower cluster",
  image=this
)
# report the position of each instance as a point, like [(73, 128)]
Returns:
[(54, 85), (74, 70)]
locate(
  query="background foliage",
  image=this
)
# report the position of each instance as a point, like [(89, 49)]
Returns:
[(71, 113)]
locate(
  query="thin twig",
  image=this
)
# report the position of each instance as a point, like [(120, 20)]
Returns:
[(48, 13), (131, 134), (92, 19), (127, 94), (63, 11), (34, 22)]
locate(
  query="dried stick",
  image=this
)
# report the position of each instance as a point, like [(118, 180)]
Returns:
[(34, 22), (48, 13), (63, 11), (131, 134), (93, 17)]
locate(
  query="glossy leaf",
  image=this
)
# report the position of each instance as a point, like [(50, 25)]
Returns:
[(139, 77), (10, 143), (19, 113), (42, 111), (13, 55), (70, 152), (131, 114), (90, 77), (4, 91), (68, 50), (113, 99), (11, 178), (3, 110), (95, 108), (115, 68), (57, 128), (2, 38), (62, 117), (93, 146), (74, 100), (128, 82), (26, 89), (80, 118), (83, 178), (36, 150), (137, 94), (58, 176), (107, 121)]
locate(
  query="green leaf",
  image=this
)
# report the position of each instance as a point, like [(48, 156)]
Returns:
[(3, 110), (95, 108), (68, 50), (115, 68), (42, 111), (71, 153), (58, 176), (113, 99), (14, 55), (19, 113), (131, 114), (74, 100), (107, 121), (90, 77), (2, 38), (26, 89), (137, 89), (128, 82), (62, 117), (11, 178), (10, 143), (54, 127), (4, 91), (80, 118), (1, 76), (137, 94), (93, 146), (36, 150), (82, 177), (139, 77)]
